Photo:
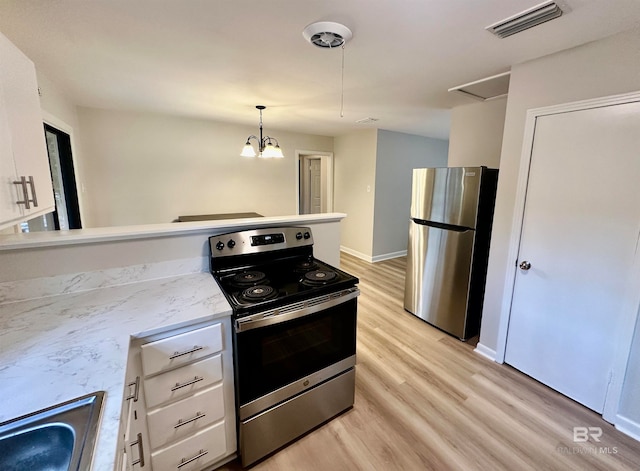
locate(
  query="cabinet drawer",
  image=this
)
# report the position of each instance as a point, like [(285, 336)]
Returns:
[(207, 445), (180, 349), (181, 382), (184, 417)]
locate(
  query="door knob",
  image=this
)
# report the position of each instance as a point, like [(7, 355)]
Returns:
[(524, 265)]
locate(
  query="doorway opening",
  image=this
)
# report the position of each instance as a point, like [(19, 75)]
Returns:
[(67, 213), (315, 182)]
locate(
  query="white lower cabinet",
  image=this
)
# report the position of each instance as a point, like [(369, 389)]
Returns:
[(133, 450), (183, 418), (178, 350), (194, 453), (183, 381)]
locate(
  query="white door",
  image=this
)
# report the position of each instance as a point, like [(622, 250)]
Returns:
[(315, 186), (580, 232)]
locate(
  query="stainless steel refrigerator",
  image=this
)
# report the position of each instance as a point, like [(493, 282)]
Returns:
[(449, 234)]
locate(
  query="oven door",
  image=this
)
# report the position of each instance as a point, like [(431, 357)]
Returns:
[(286, 351)]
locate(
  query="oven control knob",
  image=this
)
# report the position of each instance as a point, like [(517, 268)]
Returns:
[(220, 245), (299, 235), (307, 235), (231, 244)]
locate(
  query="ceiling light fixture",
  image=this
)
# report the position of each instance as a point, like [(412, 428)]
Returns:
[(329, 35), (266, 149)]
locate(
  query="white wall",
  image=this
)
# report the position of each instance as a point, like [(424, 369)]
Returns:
[(54, 102), (373, 187), (397, 155), (476, 132), (354, 174), (142, 168), (606, 67)]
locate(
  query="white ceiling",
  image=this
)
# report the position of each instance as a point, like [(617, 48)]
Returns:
[(217, 59)]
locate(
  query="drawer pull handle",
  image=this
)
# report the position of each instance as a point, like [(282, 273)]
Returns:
[(188, 421), (187, 383), (185, 461), (140, 459), (179, 354), (136, 385)]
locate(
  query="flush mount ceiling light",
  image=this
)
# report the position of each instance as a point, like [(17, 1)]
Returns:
[(327, 34), (529, 18), (266, 149)]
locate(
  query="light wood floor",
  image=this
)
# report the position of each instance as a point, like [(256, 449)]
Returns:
[(426, 401)]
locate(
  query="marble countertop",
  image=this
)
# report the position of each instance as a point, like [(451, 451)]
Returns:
[(56, 348)]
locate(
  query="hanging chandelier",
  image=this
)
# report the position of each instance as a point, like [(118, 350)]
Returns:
[(266, 149)]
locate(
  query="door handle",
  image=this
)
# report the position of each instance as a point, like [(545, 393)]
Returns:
[(524, 265)]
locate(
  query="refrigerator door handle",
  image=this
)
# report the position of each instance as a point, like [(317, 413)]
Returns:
[(439, 225)]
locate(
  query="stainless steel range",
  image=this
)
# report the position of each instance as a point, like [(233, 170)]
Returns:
[(294, 335)]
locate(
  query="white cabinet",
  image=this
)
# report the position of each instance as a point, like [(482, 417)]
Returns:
[(133, 444), (181, 349), (25, 179), (185, 389), (183, 381), (200, 450), (182, 418)]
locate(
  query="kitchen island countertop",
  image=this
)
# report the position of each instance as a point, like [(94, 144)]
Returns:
[(56, 348)]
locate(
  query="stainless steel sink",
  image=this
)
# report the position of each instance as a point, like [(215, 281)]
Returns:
[(61, 437)]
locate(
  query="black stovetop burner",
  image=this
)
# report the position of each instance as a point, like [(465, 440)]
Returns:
[(268, 268), (280, 282), (318, 277)]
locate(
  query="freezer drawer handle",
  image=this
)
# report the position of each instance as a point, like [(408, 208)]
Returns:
[(525, 265)]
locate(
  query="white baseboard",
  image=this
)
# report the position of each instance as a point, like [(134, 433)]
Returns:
[(355, 253), (628, 427), (389, 256), (485, 351), (369, 258)]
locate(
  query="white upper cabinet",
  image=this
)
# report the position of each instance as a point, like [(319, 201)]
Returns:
[(25, 179)]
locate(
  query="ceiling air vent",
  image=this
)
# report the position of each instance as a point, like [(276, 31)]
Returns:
[(527, 19)]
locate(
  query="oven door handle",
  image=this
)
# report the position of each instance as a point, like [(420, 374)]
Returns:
[(295, 311)]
